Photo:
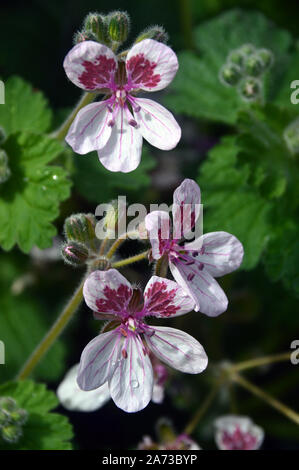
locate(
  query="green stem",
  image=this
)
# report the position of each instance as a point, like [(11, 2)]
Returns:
[(84, 100), (285, 410), (119, 242), (261, 361), (52, 334), (132, 259), (186, 23)]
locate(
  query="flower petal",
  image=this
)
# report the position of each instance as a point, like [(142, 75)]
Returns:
[(157, 125), (208, 296), (158, 225), (151, 65), (165, 298), (98, 360), (186, 208), (177, 349), (220, 252), (131, 385), (75, 399), (237, 433), (91, 66), (89, 130), (123, 150), (107, 292)]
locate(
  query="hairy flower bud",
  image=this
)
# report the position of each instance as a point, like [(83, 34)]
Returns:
[(96, 24), (4, 417), (155, 32), (253, 65), (230, 74), (7, 404), (266, 56), (19, 416), (247, 49), (118, 24), (250, 89), (80, 228), (4, 168), (81, 36), (74, 253), (11, 433), (236, 57)]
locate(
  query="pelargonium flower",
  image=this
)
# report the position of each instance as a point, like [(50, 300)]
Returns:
[(115, 127), (238, 433), (75, 399), (194, 265), (121, 356)]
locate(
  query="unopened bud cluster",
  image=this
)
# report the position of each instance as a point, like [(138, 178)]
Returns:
[(291, 136), (113, 29), (12, 419), (244, 69)]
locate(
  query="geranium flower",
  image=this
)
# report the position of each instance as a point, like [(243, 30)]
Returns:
[(238, 433), (115, 127), (75, 399), (121, 356), (194, 265)]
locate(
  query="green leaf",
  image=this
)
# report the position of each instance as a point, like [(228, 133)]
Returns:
[(29, 199), (43, 430), (231, 204), (197, 90), (25, 109), (24, 320), (97, 184), (265, 152)]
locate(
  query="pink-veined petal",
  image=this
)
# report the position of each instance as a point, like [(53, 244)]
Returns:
[(177, 349), (151, 65), (208, 296), (98, 360), (235, 432), (89, 130), (158, 225), (90, 66), (220, 252), (75, 399), (165, 298), (123, 150), (157, 125), (131, 385), (107, 292), (186, 208)]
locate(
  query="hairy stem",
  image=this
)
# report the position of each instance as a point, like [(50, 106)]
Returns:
[(84, 100), (132, 259), (285, 410), (261, 361), (43, 347)]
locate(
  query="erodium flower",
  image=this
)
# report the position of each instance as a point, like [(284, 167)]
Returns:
[(75, 399), (115, 127), (237, 433), (121, 356), (194, 265)]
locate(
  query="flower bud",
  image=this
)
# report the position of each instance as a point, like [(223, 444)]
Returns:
[(80, 228), (4, 168), (253, 65), (250, 89), (19, 416), (74, 253), (230, 74), (236, 57), (11, 433), (291, 136), (7, 404), (247, 49), (156, 32), (266, 56), (96, 24), (4, 417), (81, 36), (118, 26)]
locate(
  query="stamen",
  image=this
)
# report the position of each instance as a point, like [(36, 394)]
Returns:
[(123, 332), (133, 123), (124, 353), (111, 123)]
